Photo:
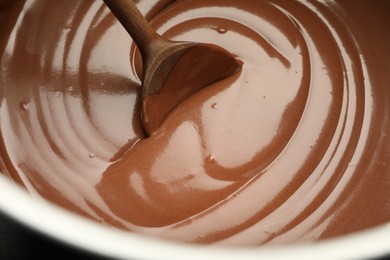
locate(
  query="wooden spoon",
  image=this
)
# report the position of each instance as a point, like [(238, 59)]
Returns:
[(166, 65)]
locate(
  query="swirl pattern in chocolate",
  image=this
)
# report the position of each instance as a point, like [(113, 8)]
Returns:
[(294, 147)]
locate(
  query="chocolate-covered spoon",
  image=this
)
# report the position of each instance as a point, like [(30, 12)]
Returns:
[(172, 71)]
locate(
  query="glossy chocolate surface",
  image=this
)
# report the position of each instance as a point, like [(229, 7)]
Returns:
[(294, 147)]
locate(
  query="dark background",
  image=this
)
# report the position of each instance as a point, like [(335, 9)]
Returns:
[(19, 243)]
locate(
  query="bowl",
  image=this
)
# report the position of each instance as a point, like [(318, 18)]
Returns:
[(81, 233)]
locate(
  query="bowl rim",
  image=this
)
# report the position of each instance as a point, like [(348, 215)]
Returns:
[(90, 236)]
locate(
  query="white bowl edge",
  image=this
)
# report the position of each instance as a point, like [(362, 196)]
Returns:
[(99, 239)]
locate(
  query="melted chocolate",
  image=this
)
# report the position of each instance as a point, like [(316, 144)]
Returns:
[(197, 68), (293, 147)]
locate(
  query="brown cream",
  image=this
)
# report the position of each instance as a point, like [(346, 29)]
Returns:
[(294, 147)]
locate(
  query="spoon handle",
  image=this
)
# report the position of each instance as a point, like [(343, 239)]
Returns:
[(134, 22)]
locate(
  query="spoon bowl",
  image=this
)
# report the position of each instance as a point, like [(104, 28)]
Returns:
[(163, 77)]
